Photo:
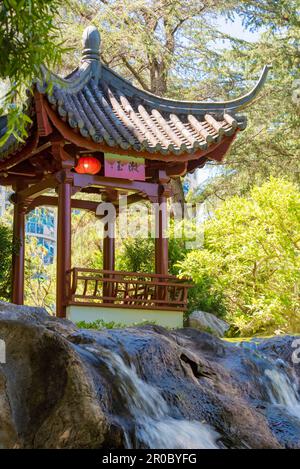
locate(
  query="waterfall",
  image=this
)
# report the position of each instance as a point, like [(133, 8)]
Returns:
[(154, 425), (276, 379), (282, 391)]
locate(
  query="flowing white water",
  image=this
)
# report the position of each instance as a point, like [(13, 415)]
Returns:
[(282, 391), (154, 426)]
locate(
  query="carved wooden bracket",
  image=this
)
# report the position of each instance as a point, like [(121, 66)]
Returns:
[(165, 190), (59, 153), (43, 123), (176, 170)]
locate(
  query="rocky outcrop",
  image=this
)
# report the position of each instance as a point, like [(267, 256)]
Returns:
[(62, 387), (208, 322)]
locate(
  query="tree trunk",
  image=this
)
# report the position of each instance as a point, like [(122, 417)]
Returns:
[(158, 78)]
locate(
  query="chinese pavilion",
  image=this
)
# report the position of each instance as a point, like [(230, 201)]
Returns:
[(92, 120)]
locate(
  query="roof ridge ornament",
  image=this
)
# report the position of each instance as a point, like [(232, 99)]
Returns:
[(91, 41)]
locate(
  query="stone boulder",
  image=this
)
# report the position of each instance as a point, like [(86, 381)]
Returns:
[(208, 322), (140, 387)]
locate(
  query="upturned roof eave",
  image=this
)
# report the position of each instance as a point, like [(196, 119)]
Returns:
[(81, 75), (172, 105)]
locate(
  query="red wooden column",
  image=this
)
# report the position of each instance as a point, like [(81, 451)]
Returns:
[(18, 257), (63, 245), (161, 235), (161, 239), (108, 255), (109, 247)]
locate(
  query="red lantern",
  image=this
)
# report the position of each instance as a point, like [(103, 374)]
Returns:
[(88, 165)]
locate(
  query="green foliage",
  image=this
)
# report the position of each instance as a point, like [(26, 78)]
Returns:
[(206, 296), (86, 240), (251, 256), (101, 324), (137, 255), (5, 262), (28, 39), (39, 278), (270, 144)]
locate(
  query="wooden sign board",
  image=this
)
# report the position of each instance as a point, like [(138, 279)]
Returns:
[(124, 167)]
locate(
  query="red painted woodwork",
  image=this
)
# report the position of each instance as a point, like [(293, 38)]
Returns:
[(21, 155), (108, 254), (18, 257), (127, 289), (88, 165), (149, 189), (43, 123), (49, 201), (63, 245), (161, 239)]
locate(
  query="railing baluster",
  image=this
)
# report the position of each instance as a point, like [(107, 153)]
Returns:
[(85, 286), (96, 287), (127, 288)]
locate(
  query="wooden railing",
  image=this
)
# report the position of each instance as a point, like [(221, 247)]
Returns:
[(126, 289)]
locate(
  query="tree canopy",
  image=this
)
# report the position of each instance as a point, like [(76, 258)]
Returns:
[(251, 259), (28, 39)]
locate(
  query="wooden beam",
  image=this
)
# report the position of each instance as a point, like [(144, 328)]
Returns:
[(49, 201), (10, 180), (35, 190), (91, 206), (149, 189)]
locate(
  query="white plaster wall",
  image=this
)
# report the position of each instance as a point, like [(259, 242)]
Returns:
[(124, 316)]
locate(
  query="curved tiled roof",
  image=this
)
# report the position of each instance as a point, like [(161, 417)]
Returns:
[(109, 110), (103, 106)]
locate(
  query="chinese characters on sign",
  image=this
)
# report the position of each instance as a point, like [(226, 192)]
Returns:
[(125, 167)]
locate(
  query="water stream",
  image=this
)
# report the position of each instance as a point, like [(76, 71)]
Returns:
[(282, 391), (279, 384), (154, 425), (153, 418)]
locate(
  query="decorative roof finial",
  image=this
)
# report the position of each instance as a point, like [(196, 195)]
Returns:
[(91, 44)]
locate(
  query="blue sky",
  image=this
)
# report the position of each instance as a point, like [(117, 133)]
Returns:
[(235, 28)]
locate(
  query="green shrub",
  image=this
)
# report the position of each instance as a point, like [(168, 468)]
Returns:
[(5, 262), (250, 261), (101, 324)]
